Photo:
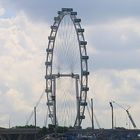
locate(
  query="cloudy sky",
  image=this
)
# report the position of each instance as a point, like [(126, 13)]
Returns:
[(112, 29)]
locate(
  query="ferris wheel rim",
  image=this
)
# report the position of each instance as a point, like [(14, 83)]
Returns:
[(83, 57)]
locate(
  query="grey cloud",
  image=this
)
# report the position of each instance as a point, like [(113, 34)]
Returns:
[(3, 88), (89, 10), (115, 47), (115, 60), (106, 40)]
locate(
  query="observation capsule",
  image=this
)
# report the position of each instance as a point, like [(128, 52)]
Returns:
[(80, 30), (85, 73), (50, 103), (49, 50), (67, 9), (54, 27), (57, 18), (48, 63), (82, 117), (85, 88), (85, 57), (83, 42), (77, 20), (51, 38), (83, 103), (73, 13)]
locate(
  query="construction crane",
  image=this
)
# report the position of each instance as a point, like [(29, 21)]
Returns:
[(128, 113), (112, 114)]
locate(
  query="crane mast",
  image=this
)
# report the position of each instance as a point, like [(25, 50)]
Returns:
[(112, 114), (128, 113), (130, 117)]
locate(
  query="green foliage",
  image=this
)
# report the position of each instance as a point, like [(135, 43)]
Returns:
[(26, 126), (44, 130), (51, 128), (58, 129), (61, 129)]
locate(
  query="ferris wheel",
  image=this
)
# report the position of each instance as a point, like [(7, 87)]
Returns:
[(66, 58)]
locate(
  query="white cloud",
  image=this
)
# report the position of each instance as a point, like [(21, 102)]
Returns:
[(2, 11), (121, 86), (118, 32), (22, 58), (17, 101), (114, 44)]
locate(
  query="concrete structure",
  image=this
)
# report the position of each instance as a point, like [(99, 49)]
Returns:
[(18, 133)]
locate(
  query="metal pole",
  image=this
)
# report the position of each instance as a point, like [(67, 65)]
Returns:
[(78, 103), (92, 114), (54, 94), (112, 114), (9, 123), (54, 100), (35, 121)]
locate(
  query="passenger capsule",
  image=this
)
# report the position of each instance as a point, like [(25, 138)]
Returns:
[(67, 9), (50, 103), (83, 42), (73, 13), (85, 57), (48, 63), (80, 30), (82, 117), (54, 27), (48, 90), (50, 115), (59, 12), (83, 103), (85, 73), (84, 88), (49, 50), (77, 20), (51, 38), (57, 18), (48, 77)]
